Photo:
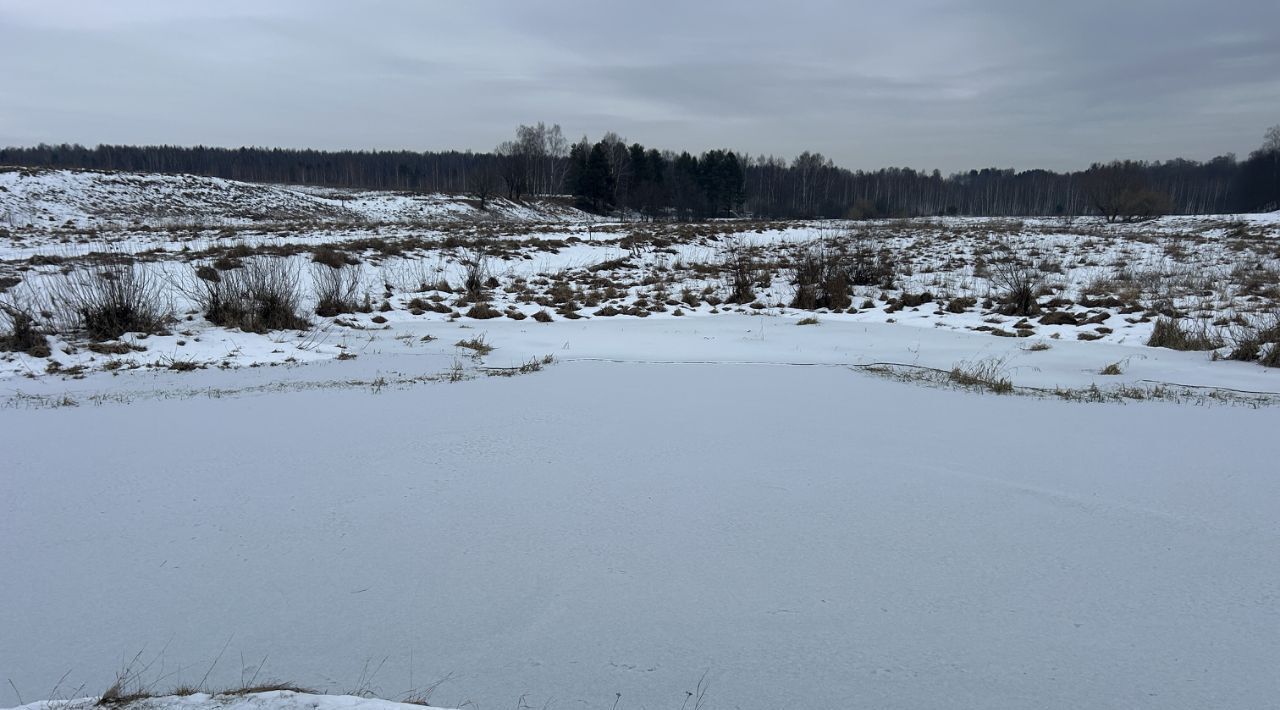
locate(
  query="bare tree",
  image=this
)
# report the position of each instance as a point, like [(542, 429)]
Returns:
[(534, 163), (514, 166), (485, 182), (1119, 190), (1271, 141)]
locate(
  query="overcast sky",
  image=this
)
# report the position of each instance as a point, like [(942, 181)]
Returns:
[(947, 84)]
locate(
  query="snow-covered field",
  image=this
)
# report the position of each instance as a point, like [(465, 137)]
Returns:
[(807, 536), (1097, 286), (674, 493)]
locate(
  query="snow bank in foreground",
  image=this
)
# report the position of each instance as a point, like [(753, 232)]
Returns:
[(274, 700), (808, 537)]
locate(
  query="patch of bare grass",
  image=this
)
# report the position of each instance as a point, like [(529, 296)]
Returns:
[(988, 375), (477, 345), (1176, 334)]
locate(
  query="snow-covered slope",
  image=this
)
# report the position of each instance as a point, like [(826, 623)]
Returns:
[(44, 199)]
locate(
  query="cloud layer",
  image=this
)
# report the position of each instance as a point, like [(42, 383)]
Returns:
[(949, 84)]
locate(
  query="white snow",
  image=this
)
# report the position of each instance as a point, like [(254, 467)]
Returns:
[(273, 700), (708, 493), (807, 536), (36, 198)]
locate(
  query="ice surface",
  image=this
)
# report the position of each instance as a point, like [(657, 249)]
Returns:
[(806, 536)]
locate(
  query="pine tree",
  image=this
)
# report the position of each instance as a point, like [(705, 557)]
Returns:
[(597, 181)]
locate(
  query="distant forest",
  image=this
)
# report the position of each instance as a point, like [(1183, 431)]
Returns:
[(610, 176)]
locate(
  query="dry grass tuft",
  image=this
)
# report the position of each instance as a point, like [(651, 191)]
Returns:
[(1171, 333), (986, 375), (476, 345)]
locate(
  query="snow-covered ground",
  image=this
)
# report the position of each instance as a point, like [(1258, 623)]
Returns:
[(674, 493), (805, 536), (415, 350), (272, 700), (629, 291)]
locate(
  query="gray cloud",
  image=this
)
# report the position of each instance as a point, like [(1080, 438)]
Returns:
[(929, 83)]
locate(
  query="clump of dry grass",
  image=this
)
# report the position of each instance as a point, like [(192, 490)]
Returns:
[(821, 280), (1173, 334), (868, 265), (19, 333), (328, 256), (483, 311), (476, 345), (986, 374), (532, 365), (1260, 342)]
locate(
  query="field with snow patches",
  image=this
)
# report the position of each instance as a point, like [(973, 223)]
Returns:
[(552, 460)]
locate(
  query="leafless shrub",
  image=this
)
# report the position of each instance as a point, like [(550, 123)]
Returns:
[(261, 295), (821, 279), (1271, 356), (475, 275), (109, 300), (1019, 285), (743, 271), (337, 289)]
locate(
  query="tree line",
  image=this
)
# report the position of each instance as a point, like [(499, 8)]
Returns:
[(611, 176)]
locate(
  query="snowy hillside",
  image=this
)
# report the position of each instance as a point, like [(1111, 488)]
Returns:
[(48, 199)]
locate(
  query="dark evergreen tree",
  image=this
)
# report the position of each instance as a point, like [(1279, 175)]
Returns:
[(575, 176), (597, 181)]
